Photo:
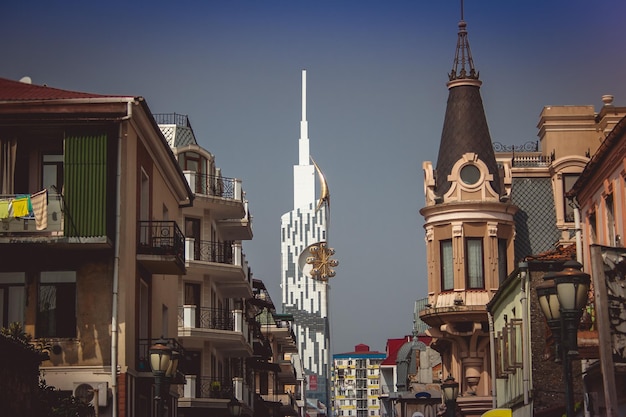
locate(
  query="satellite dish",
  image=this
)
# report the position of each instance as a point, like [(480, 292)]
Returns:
[(26, 80)]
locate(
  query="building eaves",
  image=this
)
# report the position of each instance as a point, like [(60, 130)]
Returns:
[(19, 91)]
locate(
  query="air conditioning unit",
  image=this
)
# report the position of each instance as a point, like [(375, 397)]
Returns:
[(86, 392)]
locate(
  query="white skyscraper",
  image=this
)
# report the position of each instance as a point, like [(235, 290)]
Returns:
[(303, 296)]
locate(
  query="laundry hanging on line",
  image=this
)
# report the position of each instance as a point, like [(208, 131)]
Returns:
[(27, 206)]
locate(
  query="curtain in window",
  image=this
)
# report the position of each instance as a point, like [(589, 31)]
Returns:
[(502, 260), (85, 185), (8, 149), (447, 273), (475, 263), (56, 315)]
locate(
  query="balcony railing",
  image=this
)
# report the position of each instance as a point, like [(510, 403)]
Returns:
[(208, 387), (161, 238), (530, 161), (205, 318), (172, 119), (215, 185), (210, 251)]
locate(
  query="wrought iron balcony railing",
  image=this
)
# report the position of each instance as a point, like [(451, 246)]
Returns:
[(208, 387), (211, 251), (161, 238), (215, 185), (205, 318), (172, 119)]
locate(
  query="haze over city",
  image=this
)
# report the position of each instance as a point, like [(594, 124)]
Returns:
[(376, 97)]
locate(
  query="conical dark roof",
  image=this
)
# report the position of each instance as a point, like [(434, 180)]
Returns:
[(465, 126)]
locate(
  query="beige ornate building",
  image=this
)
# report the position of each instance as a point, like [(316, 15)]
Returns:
[(469, 223)]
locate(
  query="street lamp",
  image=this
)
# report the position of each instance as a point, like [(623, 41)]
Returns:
[(450, 390), (160, 362), (234, 407), (549, 303), (562, 297)]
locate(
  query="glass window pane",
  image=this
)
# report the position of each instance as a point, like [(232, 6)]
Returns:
[(474, 248), (56, 307), (447, 273)]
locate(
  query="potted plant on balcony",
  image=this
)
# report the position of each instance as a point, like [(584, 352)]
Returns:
[(216, 389)]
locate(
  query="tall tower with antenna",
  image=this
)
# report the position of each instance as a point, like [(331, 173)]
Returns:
[(307, 266)]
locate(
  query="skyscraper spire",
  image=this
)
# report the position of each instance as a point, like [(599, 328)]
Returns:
[(303, 143), (304, 172)]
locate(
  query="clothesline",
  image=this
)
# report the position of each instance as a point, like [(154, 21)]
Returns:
[(27, 206)]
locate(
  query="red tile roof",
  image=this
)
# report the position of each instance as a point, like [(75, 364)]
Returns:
[(393, 346), (562, 253), (19, 91)]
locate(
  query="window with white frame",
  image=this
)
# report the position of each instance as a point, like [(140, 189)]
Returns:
[(474, 262), (447, 272)]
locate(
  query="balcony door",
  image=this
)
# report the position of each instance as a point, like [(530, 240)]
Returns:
[(192, 230), (192, 297)]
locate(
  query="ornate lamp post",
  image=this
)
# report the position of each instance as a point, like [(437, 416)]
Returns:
[(570, 287), (161, 363), (450, 391)]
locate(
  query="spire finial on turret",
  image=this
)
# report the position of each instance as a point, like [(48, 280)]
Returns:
[(463, 67)]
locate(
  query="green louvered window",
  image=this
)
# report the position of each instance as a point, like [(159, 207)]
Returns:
[(85, 186)]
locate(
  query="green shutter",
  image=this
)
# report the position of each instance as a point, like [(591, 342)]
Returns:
[(85, 186)]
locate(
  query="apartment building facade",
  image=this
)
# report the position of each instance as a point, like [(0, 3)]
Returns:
[(92, 247), (215, 320), (356, 382)]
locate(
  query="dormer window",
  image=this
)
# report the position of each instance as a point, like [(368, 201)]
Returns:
[(470, 174)]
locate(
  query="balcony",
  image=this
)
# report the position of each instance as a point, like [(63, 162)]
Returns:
[(283, 404), (226, 330), (226, 263), (237, 228), (222, 195), (213, 392), (49, 228), (161, 247), (287, 374)]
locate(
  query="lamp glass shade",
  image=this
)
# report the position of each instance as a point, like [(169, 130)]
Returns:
[(173, 367), (548, 300), (572, 291), (234, 407), (160, 357), (572, 286), (450, 389)]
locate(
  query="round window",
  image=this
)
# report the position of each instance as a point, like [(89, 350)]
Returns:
[(470, 174)]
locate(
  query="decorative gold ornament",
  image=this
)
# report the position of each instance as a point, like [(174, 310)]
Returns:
[(321, 262)]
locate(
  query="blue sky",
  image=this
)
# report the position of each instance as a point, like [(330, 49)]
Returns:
[(376, 92)]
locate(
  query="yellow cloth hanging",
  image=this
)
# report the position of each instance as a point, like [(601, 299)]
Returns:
[(4, 209), (20, 207)]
